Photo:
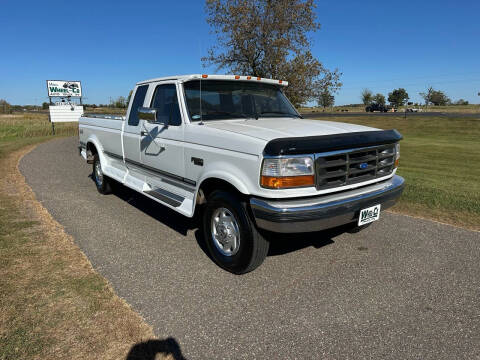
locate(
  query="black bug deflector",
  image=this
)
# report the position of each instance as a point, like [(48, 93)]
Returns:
[(324, 143)]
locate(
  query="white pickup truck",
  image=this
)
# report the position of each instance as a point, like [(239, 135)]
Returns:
[(236, 148)]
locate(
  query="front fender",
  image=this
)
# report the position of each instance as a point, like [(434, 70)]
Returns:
[(229, 173)]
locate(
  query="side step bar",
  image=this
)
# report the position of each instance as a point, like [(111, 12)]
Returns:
[(166, 196)]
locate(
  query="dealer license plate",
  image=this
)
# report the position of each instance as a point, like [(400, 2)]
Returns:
[(369, 215)]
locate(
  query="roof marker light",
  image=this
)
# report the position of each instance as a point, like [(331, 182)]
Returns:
[(204, 76), (279, 81), (237, 77), (249, 77), (259, 78)]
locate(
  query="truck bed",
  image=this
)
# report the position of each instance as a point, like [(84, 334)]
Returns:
[(105, 131)]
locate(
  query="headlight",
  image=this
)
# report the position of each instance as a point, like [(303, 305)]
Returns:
[(278, 173), (397, 154)]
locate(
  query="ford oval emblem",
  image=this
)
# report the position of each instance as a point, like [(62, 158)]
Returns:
[(363, 165)]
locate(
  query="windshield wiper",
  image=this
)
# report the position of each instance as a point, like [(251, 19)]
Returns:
[(227, 115), (280, 113), (245, 116)]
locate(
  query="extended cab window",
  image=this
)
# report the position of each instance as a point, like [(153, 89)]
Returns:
[(137, 102), (166, 102)]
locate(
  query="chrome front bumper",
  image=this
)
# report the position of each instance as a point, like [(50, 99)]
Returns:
[(324, 212)]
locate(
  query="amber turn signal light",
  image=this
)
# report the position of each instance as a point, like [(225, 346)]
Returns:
[(273, 182), (396, 162)]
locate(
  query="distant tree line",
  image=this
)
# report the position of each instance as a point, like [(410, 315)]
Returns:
[(399, 97), (120, 102), (7, 108)]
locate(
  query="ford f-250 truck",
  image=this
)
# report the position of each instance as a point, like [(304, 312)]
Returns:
[(236, 148)]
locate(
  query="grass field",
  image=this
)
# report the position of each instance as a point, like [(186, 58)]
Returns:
[(439, 160), (17, 130), (53, 305)]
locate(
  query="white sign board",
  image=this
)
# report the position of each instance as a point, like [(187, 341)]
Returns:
[(64, 88), (65, 113)]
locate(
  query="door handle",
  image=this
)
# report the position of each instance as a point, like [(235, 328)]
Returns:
[(143, 133)]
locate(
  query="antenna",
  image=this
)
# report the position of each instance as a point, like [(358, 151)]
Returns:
[(201, 115), (200, 58)]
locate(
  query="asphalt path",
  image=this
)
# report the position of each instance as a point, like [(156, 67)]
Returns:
[(404, 288)]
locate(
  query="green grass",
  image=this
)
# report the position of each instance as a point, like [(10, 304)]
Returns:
[(19, 130), (52, 303), (439, 161), (18, 339)]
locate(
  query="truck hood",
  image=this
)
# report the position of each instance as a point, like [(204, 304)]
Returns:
[(274, 128)]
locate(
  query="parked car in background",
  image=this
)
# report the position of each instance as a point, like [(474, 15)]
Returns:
[(374, 107)]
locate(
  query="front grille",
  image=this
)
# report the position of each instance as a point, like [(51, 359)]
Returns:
[(351, 167)]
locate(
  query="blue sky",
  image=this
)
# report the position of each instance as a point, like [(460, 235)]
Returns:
[(110, 45)]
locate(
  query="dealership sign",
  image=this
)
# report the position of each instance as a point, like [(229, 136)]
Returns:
[(65, 112), (61, 88)]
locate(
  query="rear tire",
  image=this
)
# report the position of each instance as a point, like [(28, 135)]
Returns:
[(102, 182), (231, 237)]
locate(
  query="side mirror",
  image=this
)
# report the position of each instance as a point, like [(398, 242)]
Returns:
[(147, 114)]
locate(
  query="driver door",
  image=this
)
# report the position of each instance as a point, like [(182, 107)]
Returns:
[(161, 142)]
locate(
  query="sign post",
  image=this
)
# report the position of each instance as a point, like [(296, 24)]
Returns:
[(65, 109)]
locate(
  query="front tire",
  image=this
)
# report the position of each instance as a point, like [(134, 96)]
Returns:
[(230, 235), (102, 182)]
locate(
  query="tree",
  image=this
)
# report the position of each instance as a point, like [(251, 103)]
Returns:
[(427, 96), (461, 102), (328, 85), (326, 99), (379, 99), (435, 97), (398, 97), (367, 97), (119, 102), (4, 107), (438, 98), (45, 105), (267, 38)]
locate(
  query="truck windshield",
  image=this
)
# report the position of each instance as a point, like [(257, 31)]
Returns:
[(222, 100)]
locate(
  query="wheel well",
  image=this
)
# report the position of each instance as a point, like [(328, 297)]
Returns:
[(91, 148), (211, 184)]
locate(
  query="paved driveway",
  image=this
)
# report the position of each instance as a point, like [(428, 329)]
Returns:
[(404, 288)]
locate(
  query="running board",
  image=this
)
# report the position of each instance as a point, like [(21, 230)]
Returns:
[(166, 196)]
